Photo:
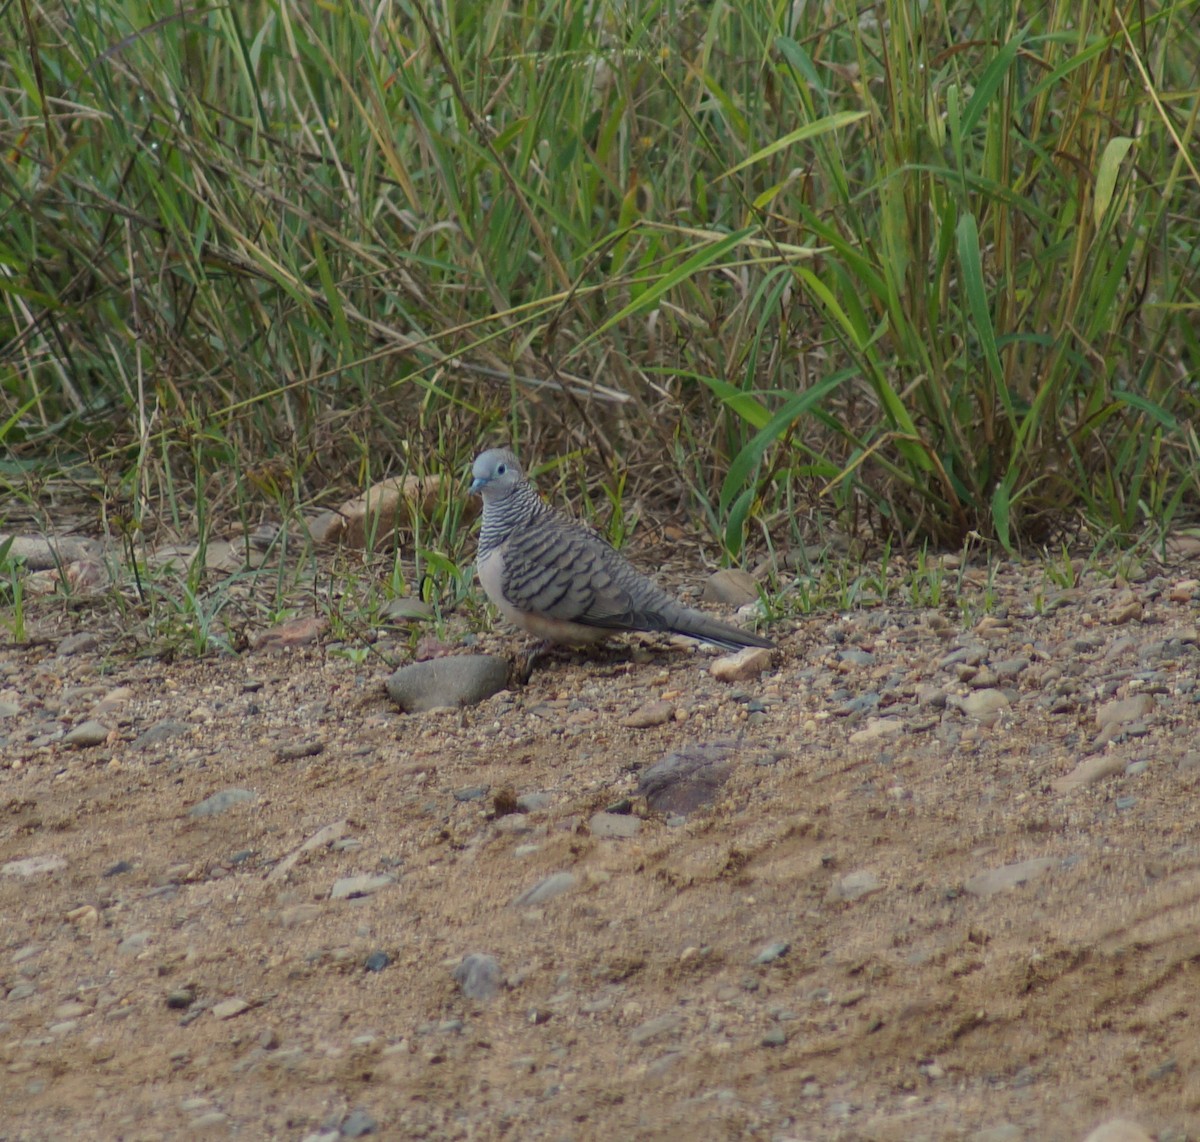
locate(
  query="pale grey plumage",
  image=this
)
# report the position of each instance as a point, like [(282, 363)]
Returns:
[(560, 580)]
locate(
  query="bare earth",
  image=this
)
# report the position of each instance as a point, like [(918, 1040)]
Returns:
[(900, 994)]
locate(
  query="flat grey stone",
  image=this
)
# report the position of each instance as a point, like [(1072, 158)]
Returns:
[(478, 976), (33, 866), (688, 778), (79, 643), (772, 952), (87, 734), (854, 886), (730, 587), (219, 802), (349, 887), (614, 825), (546, 890), (655, 1028), (981, 703), (161, 732), (1008, 876), (1124, 710), (458, 680)]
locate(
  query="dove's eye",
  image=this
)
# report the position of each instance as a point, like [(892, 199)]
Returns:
[(500, 470)]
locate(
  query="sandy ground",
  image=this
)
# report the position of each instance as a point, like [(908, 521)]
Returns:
[(835, 948)]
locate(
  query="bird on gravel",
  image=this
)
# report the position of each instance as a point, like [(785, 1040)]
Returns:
[(560, 580)]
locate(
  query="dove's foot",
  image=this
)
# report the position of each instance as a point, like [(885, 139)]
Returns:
[(530, 660)]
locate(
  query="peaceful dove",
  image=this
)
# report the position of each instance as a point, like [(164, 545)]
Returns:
[(560, 580)]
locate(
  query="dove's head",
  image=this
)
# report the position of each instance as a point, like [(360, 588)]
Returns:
[(495, 473)]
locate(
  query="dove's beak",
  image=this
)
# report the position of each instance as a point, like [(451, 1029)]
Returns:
[(478, 484)]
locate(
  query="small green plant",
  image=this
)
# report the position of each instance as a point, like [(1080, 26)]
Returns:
[(926, 579), (12, 590)]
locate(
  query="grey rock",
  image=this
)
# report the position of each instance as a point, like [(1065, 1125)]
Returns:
[(134, 943), (458, 680), (357, 1124), (377, 961), (1008, 876), (688, 778), (1004, 1132), (533, 802), (655, 1029), (1118, 1130), (772, 952), (349, 887), (730, 587), (982, 703), (87, 734), (1125, 710), (854, 886), (614, 825), (546, 890), (478, 976), (161, 732), (33, 866), (9, 710), (220, 801), (79, 643), (471, 793)]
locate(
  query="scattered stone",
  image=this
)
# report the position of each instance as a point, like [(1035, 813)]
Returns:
[(1089, 772), (614, 825), (472, 793), (161, 732), (357, 1124), (80, 643), (982, 703), (181, 998), (533, 802), (351, 887), (1118, 1130), (731, 587), (478, 976), (9, 710), (289, 635), (1124, 710), (298, 914), (228, 1008), (688, 778), (87, 734), (457, 680), (877, 730), (1004, 1132), (212, 1120), (1125, 611), (652, 714), (772, 952), (775, 1037), (743, 666), (1008, 876), (546, 890), (33, 866), (220, 801), (134, 943), (655, 1029), (854, 886), (377, 961), (1184, 591), (296, 751)]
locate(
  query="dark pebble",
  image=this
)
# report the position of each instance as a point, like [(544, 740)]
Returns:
[(377, 961)]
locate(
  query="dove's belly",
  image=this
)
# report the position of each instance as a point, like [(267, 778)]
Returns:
[(491, 577)]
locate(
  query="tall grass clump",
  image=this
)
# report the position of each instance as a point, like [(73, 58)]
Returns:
[(936, 264)]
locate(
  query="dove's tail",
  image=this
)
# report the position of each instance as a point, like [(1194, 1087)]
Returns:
[(696, 624)]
